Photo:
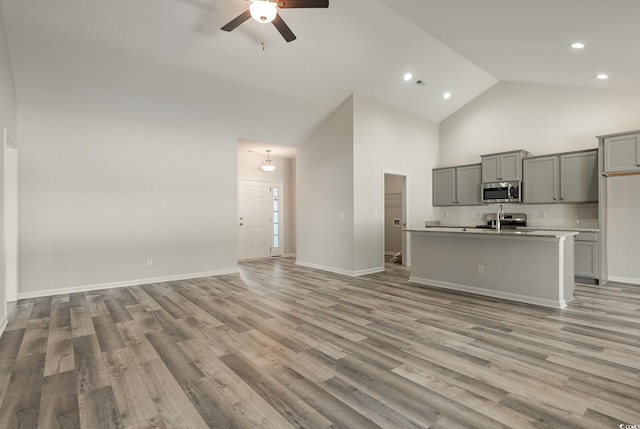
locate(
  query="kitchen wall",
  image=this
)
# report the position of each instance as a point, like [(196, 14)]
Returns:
[(249, 164), (99, 196), (538, 215), (8, 119), (548, 119)]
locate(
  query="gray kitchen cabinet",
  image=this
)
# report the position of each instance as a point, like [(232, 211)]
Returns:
[(444, 186), (565, 178), (505, 166), (579, 177), (540, 180), (586, 255), (622, 153), (457, 186), (468, 181)]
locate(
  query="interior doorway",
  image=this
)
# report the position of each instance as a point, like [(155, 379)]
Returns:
[(260, 233), (10, 217), (395, 218)]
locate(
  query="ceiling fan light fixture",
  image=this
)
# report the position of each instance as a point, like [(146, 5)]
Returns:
[(263, 11), (267, 166)]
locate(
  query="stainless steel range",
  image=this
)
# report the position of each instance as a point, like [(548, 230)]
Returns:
[(510, 221)]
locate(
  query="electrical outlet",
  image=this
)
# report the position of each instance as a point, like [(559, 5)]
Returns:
[(543, 215), (150, 262), (341, 215), (480, 269), (331, 254)]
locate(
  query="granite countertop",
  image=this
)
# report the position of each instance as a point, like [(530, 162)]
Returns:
[(526, 228), (493, 233)]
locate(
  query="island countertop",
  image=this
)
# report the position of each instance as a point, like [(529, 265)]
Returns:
[(494, 233)]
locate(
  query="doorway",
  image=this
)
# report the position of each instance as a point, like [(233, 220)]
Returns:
[(10, 217), (395, 218), (259, 219)]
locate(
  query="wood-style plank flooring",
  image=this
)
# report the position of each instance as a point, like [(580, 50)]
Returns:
[(280, 346)]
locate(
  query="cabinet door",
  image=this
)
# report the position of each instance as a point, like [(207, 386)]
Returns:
[(540, 180), (444, 187), (586, 258), (468, 180), (490, 168), (510, 165), (622, 153), (579, 177)]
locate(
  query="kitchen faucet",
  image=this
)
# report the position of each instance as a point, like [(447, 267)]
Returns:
[(499, 217)]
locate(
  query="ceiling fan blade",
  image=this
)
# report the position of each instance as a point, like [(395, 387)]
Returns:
[(237, 21), (284, 29), (290, 4)]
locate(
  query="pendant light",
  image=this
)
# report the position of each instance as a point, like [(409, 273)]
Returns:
[(267, 166)]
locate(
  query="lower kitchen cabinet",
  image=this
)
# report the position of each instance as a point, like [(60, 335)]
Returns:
[(586, 255)]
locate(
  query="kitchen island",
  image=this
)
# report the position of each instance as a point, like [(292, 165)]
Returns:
[(534, 267)]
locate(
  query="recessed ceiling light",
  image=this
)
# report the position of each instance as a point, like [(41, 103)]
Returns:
[(446, 95), (577, 45), (408, 76), (602, 76)]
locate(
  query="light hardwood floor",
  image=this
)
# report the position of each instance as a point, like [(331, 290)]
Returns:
[(281, 346)]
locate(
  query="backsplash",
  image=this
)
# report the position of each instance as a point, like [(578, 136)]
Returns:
[(538, 215)]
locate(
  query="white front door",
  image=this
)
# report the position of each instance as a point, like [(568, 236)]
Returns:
[(254, 223)]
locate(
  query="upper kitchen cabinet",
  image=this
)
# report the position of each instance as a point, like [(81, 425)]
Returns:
[(505, 166), (579, 177), (540, 180), (566, 178), (457, 186), (468, 181), (444, 187), (622, 153)]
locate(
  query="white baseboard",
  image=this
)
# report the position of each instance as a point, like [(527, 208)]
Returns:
[(340, 270), (100, 286), (368, 271), (492, 293), (289, 255), (629, 280)]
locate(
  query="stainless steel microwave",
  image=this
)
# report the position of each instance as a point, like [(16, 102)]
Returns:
[(502, 192)]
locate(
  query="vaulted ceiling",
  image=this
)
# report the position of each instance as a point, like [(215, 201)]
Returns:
[(167, 61)]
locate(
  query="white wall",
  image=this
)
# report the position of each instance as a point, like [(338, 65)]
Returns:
[(8, 118), (249, 164), (99, 195), (387, 139), (548, 119), (539, 118), (325, 192)]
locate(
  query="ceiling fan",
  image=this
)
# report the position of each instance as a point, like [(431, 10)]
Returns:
[(265, 11)]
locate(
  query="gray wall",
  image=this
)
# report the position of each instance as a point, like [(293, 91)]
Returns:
[(99, 195), (548, 119), (325, 191), (389, 140), (341, 170), (8, 115)]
